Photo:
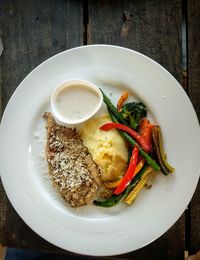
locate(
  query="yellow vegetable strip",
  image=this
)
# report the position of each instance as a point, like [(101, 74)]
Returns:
[(135, 191), (139, 166), (114, 184), (121, 100)]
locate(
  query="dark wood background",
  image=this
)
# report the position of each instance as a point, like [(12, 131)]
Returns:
[(166, 30)]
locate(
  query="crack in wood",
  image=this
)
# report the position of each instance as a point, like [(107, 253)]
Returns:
[(85, 22)]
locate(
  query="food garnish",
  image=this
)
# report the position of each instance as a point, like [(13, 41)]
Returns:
[(121, 100), (146, 143), (115, 199), (132, 142), (141, 139), (113, 109), (138, 187), (158, 147), (130, 173), (114, 184), (133, 112)]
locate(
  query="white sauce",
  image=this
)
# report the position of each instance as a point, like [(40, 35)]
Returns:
[(76, 102)]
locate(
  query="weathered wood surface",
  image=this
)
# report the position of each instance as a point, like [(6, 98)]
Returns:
[(31, 31), (152, 28), (194, 94)]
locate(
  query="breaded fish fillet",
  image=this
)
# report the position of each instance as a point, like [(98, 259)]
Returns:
[(70, 164)]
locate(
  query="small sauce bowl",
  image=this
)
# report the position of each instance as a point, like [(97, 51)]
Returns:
[(75, 101)]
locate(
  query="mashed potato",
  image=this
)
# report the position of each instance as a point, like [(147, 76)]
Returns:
[(108, 149)]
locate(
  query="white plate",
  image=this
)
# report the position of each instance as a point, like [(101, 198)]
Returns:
[(92, 230)]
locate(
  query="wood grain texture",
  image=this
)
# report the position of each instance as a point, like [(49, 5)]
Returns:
[(153, 28), (194, 94), (31, 32), (150, 27)]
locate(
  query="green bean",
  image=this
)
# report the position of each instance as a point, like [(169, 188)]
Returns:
[(117, 117), (115, 199), (113, 109), (128, 138)]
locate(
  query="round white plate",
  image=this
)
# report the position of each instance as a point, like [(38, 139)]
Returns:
[(91, 230)]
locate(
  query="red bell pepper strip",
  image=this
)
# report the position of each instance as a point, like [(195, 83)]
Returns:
[(145, 131), (139, 138), (130, 173)]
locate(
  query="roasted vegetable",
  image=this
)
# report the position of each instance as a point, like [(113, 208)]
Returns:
[(116, 117), (112, 201), (121, 100), (115, 199), (145, 131), (158, 148), (130, 173), (162, 153), (142, 136), (135, 191), (143, 141), (133, 112), (113, 109), (132, 142), (114, 184)]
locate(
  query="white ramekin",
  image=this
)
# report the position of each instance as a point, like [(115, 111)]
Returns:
[(69, 83)]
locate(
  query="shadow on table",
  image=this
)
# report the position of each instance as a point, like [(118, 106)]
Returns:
[(26, 254)]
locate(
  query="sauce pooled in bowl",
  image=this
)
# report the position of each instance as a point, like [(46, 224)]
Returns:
[(75, 101)]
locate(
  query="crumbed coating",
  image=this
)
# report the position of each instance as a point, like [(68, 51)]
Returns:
[(70, 164)]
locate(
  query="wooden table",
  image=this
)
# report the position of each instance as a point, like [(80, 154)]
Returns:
[(166, 30)]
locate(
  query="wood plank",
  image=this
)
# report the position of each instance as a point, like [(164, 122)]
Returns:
[(194, 94), (150, 27), (31, 32), (154, 29)]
